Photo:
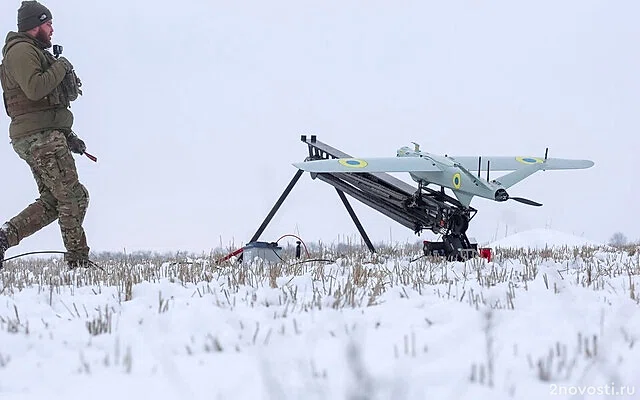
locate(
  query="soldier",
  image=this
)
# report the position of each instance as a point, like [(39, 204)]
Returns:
[(37, 90)]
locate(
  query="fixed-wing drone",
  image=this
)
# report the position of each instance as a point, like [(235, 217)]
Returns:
[(451, 172)]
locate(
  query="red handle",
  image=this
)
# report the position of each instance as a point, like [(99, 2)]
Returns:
[(92, 158)]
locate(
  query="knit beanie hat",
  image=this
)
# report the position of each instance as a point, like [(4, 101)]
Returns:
[(32, 14)]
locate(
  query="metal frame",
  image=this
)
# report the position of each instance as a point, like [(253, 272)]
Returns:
[(276, 206), (416, 209)]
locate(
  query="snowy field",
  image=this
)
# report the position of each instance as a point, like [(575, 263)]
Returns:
[(533, 323)]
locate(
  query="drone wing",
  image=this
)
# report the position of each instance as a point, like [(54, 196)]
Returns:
[(365, 165), (501, 163)]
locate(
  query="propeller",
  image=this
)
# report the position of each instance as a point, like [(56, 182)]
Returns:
[(502, 195), (525, 201)]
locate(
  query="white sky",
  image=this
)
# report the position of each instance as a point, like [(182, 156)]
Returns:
[(195, 109)]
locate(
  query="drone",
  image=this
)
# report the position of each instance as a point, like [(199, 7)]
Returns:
[(452, 172), (368, 181)]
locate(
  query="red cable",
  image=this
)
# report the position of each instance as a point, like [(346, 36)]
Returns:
[(233, 253), (301, 241)]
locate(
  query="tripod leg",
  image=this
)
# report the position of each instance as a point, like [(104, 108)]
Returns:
[(277, 205), (356, 221)]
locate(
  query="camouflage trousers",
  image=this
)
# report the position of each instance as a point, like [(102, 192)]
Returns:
[(62, 196)]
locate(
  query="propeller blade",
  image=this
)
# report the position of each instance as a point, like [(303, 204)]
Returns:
[(525, 201)]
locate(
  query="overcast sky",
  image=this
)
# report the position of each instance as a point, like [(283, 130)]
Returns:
[(195, 109)]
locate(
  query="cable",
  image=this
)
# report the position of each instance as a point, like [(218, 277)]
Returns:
[(34, 252), (49, 252), (228, 256), (313, 260), (277, 255), (301, 241)]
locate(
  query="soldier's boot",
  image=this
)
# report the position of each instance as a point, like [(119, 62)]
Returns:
[(8, 238), (4, 245), (77, 255), (80, 263), (75, 259)]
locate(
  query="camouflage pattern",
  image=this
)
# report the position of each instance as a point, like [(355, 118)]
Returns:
[(70, 87), (62, 196)]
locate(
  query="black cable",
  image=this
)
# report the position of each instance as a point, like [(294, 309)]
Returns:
[(301, 262), (313, 259), (34, 252), (49, 252), (276, 253)]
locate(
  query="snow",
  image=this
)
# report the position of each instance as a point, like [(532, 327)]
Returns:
[(359, 327), (543, 238)]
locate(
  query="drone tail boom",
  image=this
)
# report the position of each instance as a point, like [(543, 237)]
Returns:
[(518, 175)]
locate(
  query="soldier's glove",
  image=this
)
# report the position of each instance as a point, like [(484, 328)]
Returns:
[(66, 63), (76, 145)]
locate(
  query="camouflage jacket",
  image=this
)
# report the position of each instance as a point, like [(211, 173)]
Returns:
[(28, 68)]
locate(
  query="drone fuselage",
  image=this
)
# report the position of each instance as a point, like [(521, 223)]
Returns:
[(454, 176)]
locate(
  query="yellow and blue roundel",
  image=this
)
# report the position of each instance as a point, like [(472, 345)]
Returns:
[(457, 181), (353, 163), (529, 160)]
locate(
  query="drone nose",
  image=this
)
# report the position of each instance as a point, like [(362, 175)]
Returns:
[(501, 195)]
